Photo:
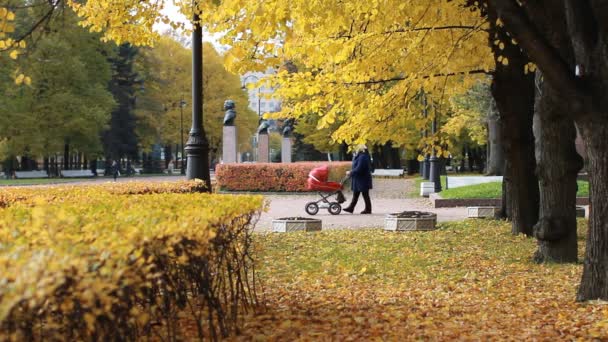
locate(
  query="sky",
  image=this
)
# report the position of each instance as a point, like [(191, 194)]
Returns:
[(174, 14)]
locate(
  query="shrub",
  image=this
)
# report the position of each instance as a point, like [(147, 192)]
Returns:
[(276, 177), (103, 266), (72, 192)]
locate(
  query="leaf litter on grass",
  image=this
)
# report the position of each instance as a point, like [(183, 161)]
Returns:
[(469, 280)]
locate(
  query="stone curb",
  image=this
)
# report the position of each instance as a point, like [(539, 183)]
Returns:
[(439, 202)]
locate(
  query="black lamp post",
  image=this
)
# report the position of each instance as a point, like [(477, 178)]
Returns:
[(259, 99), (197, 147), (182, 104), (435, 165)]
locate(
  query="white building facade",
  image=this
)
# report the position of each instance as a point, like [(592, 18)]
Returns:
[(260, 100)]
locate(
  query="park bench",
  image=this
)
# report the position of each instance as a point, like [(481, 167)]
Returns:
[(31, 174), (388, 172), (77, 173)]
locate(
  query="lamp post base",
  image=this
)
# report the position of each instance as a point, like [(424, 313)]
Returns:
[(435, 174), (197, 150)]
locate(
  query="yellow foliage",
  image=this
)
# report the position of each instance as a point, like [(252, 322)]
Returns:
[(363, 62), (112, 257)]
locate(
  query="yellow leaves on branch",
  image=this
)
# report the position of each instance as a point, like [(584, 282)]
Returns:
[(122, 21), (8, 45), (366, 60)]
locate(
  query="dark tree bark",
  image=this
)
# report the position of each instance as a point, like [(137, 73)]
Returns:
[(66, 156), (168, 155), (583, 84), (558, 165), (513, 92), (496, 156)]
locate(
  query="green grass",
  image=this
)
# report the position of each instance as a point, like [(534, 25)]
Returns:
[(43, 181), (449, 284), (494, 190), (37, 181)]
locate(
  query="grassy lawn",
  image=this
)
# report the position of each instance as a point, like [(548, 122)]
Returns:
[(494, 190), (37, 181), (470, 280), (42, 181)]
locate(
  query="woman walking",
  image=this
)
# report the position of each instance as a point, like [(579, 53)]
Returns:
[(361, 179)]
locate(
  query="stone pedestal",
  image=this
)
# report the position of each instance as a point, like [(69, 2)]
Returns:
[(483, 212), (292, 224), (580, 211), (263, 148), (229, 143), (410, 220), (427, 188), (286, 150)]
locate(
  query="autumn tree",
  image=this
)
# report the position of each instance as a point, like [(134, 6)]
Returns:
[(580, 78), (64, 97), (474, 121), (167, 83)]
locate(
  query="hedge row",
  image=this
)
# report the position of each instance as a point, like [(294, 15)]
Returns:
[(273, 177), (113, 267), (67, 193)]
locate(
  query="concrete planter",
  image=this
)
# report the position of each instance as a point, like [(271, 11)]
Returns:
[(427, 188), (580, 211), (483, 212), (410, 221), (293, 224)]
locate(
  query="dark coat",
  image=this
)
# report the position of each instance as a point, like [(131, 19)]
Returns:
[(361, 173)]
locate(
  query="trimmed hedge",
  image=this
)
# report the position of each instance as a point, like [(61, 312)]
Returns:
[(273, 177), (124, 263)]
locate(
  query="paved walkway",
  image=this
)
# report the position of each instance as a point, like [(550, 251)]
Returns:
[(388, 196)]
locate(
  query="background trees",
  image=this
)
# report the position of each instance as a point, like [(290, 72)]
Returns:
[(67, 101), (93, 98), (166, 68)]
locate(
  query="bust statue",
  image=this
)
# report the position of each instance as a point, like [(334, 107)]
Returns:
[(263, 128), (288, 127), (230, 113)]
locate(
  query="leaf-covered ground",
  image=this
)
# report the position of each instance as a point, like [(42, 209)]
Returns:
[(470, 280)]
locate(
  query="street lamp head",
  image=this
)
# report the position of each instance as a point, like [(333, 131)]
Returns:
[(182, 103)]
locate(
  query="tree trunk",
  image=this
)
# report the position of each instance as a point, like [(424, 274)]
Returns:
[(496, 156), (505, 210), (168, 155), (594, 282), (558, 165), (46, 166), (66, 156), (513, 92)]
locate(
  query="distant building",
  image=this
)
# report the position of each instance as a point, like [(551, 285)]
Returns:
[(258, 97)]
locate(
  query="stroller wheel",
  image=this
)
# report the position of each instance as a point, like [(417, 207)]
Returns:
[(312, 208), (335, 208)]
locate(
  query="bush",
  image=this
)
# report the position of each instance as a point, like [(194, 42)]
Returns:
[(103, 266), (72, 192), (275, 177)]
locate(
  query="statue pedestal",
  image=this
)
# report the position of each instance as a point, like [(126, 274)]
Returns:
[(263, 147), (229, 143), (286, 150)]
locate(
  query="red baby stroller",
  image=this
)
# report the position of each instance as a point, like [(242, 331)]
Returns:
[(317, 180)]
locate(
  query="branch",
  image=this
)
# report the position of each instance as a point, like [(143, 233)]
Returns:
[(582, 28), (554, 68), (44, 18), (403, 78), (418, 29)]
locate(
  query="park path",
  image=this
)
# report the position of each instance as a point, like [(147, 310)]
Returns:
[(388, 196)]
